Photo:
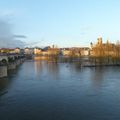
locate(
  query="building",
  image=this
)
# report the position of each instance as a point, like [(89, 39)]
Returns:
[(101, 49), (66, 51), (37, 51), (7, 50), (17, 50), (76, 51), (28, 51), (85, 51)]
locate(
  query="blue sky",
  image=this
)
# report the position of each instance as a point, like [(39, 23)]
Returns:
[(64, 23)]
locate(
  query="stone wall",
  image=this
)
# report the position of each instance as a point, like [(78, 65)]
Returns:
[(3, 71), (11, 66)]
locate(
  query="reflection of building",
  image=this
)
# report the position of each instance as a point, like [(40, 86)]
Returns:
[(38, 67)]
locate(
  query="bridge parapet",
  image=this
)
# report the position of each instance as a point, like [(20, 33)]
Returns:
[(6, 58)]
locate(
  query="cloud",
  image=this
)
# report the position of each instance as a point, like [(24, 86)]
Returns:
[(7, 39), (19, 36)]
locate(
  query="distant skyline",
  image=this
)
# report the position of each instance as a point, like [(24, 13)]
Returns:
[(64, 23)]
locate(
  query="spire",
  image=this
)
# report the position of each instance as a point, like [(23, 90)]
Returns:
[(91, 45), (108, 41)]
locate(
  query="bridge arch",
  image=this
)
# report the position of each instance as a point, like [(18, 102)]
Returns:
[(3, 62), (3, 58)]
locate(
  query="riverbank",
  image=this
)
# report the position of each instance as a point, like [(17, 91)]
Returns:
[(82, 61)]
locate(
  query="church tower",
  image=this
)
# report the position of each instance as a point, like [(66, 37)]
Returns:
[(99, 41)]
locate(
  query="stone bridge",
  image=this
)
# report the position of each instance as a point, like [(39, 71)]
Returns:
[(9, 62), (6, 58)]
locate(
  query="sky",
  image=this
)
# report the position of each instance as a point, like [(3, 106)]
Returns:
[(64, 23)]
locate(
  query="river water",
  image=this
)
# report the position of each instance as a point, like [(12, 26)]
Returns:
[(60, 91)]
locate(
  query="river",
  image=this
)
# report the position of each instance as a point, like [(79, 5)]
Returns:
[(60, 91)]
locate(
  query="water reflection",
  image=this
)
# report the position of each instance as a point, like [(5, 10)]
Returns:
[(45, 67), (97, 75), (61, 91), (6, 82), (53, 68), (3, 83), (38, 65)]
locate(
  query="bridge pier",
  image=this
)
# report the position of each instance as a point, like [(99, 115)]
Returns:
[(3, 71), (11, 66), (18, 62)]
